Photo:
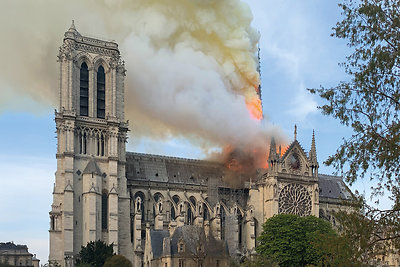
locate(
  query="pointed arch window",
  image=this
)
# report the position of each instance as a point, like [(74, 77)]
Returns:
[(84, 144), (102, 145), (104, 210), (84, 90), (240, 227), (173, 215), (101, 93), (223, 217), (206, 215), (189, 219), (100, 141)]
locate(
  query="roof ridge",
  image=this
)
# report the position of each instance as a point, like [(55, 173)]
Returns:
[(170, 157), (331, 176)]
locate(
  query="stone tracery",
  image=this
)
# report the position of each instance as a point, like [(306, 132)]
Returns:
[(295, 199)]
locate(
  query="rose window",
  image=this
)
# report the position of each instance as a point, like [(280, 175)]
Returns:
[(294, 199)]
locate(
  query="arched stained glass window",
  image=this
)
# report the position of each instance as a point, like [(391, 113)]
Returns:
[(84, 90), (173, 215), (206, 215), (190, 216), (101, 93), (223, 218), (294, 199)]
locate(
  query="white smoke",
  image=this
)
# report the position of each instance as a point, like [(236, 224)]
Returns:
[(191, 64)]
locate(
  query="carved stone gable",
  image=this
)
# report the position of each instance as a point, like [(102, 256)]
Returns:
[(295, 160)]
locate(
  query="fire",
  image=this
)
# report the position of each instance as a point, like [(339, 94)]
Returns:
[(234, 165), (280, 151), (238, 160), (266, 165), (255, 108)]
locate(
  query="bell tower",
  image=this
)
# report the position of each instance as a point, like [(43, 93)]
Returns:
[(90, 199)]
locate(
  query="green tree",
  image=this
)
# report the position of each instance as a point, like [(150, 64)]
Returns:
[(337, 250), (117, 261), (95, 253), (371, 232), (259, 261), (369, 101), (289, 239)]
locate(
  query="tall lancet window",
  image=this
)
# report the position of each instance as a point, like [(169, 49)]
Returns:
[(104, 210), (101, 93), (84, 90)]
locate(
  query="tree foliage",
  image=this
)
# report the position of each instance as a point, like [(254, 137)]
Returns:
[(289, 239), (95, 253), (260, 261), (371, 233), (370, 101), (117, 261)]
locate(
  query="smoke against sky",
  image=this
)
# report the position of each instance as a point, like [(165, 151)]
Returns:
[(191, 65)]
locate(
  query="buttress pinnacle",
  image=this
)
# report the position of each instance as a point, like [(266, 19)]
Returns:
[(313, 151), (273, 156)]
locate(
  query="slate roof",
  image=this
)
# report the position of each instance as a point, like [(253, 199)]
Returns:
[(147, 167), (92, 167), (333, 187), (192, 236), (155, 168), (12, 246), (157, 237)]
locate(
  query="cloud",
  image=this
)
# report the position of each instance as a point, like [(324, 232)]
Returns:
[(302, 104)]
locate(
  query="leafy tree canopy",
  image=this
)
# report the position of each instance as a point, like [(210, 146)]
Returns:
[(117, 261), (259, 261), (289, 239), (370, 101), (367, 234), (95, 253)]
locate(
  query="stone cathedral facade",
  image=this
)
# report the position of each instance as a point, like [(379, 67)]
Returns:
[(147, 205)]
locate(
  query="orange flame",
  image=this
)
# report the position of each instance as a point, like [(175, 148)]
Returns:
[(282, 152), (266, 165), (255, 108)]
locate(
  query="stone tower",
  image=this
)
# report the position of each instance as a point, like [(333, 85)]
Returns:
[(90, 199)]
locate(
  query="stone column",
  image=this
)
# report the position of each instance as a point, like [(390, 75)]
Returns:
[(198, 220), (250, 237), (137, 232), (215, 222), (159, 216)]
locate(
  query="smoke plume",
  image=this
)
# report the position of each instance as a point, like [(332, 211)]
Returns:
[(191, 64)]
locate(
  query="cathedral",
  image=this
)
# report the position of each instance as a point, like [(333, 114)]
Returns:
[(158, 210)]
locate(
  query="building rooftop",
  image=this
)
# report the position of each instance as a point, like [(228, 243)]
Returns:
[(12, 246), (173, 170)]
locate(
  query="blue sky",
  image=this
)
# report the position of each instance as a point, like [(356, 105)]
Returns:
[(297, 52)]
